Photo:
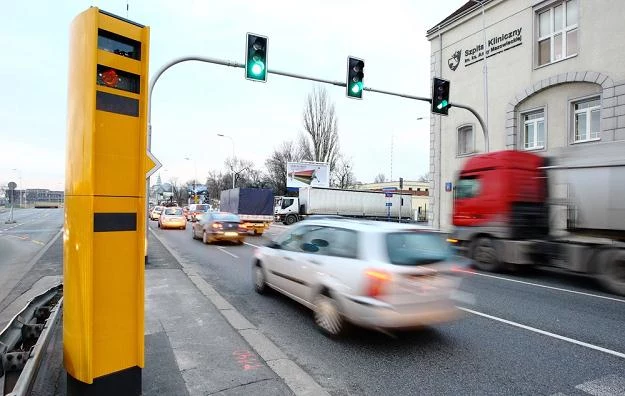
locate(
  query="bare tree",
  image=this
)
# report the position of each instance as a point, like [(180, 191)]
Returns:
[(424, 178), (239, 167), (276, 165), (216, 182), (320, 140), (342, 174), (380, 178)]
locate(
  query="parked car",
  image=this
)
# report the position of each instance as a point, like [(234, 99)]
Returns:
[(219, 226), (196, 211), (373, 274), (156, 212), (172, 218)]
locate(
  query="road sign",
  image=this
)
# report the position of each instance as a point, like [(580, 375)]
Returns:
[(388, 194), (389, 204), (389, 189), (12, 185), (448, 186), (151, 164)]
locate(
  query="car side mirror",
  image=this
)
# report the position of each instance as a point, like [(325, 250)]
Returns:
[(310, 247)]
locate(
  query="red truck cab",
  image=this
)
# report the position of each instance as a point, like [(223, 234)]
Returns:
[(498, 196)]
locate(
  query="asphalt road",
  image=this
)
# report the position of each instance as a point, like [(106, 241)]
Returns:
[(21, 241), (540, 332)]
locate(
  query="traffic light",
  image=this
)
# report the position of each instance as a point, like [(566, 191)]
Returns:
[(440, 96), (401, 183), (355, 76), (256, 58)]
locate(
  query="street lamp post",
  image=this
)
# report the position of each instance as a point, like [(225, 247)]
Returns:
[(194, 175), (232, 141)]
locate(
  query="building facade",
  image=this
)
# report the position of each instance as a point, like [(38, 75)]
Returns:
[(554, 77)]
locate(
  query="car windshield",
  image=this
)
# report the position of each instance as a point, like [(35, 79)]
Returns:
[(416, 248), (226, 217), (201, 208), (158, 209), (173, 211)]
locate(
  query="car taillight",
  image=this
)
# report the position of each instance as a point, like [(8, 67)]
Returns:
[(243, 226), (375, 282), (216, 225)]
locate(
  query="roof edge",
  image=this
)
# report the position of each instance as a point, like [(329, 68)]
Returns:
[(468, 8)]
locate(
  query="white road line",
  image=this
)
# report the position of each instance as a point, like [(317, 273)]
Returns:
[(545, 286), (608, 385), (547, 333), (227, 252), (251, 244)]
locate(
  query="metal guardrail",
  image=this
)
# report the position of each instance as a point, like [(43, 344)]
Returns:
[(24, 339)]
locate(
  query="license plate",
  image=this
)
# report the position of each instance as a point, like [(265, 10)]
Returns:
[(231, 234)]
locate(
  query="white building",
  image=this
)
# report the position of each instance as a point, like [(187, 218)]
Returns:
[(555, 77)]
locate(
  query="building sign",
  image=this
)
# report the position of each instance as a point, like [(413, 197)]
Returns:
[(495, 45)]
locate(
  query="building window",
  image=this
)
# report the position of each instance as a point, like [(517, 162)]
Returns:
[(534, 130), (465, 140), (586, 120), (557, 32)]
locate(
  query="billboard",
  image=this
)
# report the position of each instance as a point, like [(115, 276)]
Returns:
[(307, 174)]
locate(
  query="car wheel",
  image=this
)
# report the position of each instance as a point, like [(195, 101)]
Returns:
[(290, 219), (260, 283), (328, 317), (159, 225), (205, 237)]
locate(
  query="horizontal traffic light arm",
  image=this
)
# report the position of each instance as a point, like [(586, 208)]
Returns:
[(241, 65)]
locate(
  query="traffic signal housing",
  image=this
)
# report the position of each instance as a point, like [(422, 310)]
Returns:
[(256, 58), (440, 96), (355, 76)]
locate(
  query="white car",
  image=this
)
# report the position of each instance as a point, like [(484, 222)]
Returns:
[(373, 274)]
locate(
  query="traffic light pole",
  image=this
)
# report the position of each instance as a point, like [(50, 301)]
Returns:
[(240, 65)]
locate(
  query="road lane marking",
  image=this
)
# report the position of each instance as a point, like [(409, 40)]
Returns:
[(547, 333), (608, 385), (251, 244), (37, 242), (544, 286), (227, 252)]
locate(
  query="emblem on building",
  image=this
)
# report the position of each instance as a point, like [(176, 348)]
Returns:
[(454, 61)]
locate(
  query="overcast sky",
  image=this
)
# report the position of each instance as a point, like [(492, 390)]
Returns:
[(195, 101)]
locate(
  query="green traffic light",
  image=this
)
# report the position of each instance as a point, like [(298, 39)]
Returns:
[(442, 104), (257, 68), (355, 88)]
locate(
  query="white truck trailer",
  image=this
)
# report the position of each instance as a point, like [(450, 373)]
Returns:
[(346, 203)]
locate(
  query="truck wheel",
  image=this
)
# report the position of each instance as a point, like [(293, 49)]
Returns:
[(290, 219), (484, 255), (612, 271)]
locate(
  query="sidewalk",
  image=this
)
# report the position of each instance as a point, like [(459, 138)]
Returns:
[(196, 343)]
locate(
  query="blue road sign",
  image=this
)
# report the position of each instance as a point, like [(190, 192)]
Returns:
[(389, 189), (388, 194), (389, 204)]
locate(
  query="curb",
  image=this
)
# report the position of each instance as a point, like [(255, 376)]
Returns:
[(298, 380)]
